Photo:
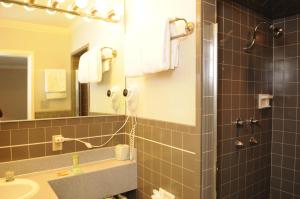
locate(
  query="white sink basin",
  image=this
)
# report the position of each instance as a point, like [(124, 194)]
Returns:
[(18, 189)]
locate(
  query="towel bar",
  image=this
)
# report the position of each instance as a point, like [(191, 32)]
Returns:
[(114, 54), (189, 28)]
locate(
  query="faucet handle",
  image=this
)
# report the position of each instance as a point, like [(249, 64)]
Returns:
[(238, 122), (9, 176), (252, 121)]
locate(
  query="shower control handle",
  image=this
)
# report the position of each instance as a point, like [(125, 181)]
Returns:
[(238, 122), (253, 141), (252, 121)]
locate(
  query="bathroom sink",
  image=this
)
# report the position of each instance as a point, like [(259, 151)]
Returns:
[(18, 189)]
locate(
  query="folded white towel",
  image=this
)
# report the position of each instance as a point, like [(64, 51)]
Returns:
[(83, 68), (156, 46), (95, 65), (55, 80), (106, 53), (159, 53), (175, 44), (90, 68), (58, 95)]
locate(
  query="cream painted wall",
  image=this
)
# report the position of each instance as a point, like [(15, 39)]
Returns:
[(51, 49), (97, 33), (167, 96)]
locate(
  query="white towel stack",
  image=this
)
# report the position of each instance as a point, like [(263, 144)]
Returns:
[(90, 68), (55, 83), (159, 52), (155, 47)]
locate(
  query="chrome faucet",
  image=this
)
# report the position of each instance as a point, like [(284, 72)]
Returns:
[(9, 176)]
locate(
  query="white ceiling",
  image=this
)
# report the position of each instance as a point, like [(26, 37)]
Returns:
[(13, 62), (37, 16)]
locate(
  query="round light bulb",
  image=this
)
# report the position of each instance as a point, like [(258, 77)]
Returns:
[(28, 8), (102, 7), (70, 16), (119, 10), (49, 4), (81, 3), (7, 5)]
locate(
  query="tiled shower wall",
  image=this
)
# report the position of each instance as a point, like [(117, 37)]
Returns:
[(285, 178), (242, 173), (31, 139)]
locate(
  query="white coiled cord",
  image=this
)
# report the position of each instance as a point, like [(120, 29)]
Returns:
[(132, 136)]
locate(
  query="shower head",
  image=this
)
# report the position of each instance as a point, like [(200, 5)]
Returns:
[(277, 32)]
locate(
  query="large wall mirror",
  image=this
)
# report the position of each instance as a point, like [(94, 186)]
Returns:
[(39, 59)]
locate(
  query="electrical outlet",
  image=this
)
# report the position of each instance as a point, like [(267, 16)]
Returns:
[(57, 142)]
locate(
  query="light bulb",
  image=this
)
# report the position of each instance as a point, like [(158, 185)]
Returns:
[(7, 5), (102, 7), (49, 4), (70, 16), (81, 3), (28, 8), (119, 10), (60, 1)]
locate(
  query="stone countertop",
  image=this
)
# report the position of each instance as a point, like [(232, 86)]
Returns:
[(43, 177)]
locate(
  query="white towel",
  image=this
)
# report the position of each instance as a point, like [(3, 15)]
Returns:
[(55, 83), (175, 44), (156, 46), (95, 65), (58, 95), (55, 80), (90, 68), (83, 68), (159, 52), (106, 53)]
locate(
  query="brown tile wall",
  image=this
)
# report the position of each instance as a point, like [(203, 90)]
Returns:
[(30, 139), (209, 99), (159, 165), (285, 176), (243, 173)]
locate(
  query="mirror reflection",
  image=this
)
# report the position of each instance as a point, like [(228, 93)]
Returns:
[(52, 66)]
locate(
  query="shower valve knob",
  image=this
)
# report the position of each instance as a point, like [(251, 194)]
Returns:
[(238, 122), (252, 121)]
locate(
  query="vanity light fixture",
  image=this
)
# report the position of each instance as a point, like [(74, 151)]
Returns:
[(73, 10)]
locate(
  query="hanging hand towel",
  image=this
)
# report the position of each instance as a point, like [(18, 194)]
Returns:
[(55, 83), (156, 46), (95, 65), (83, 68)]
